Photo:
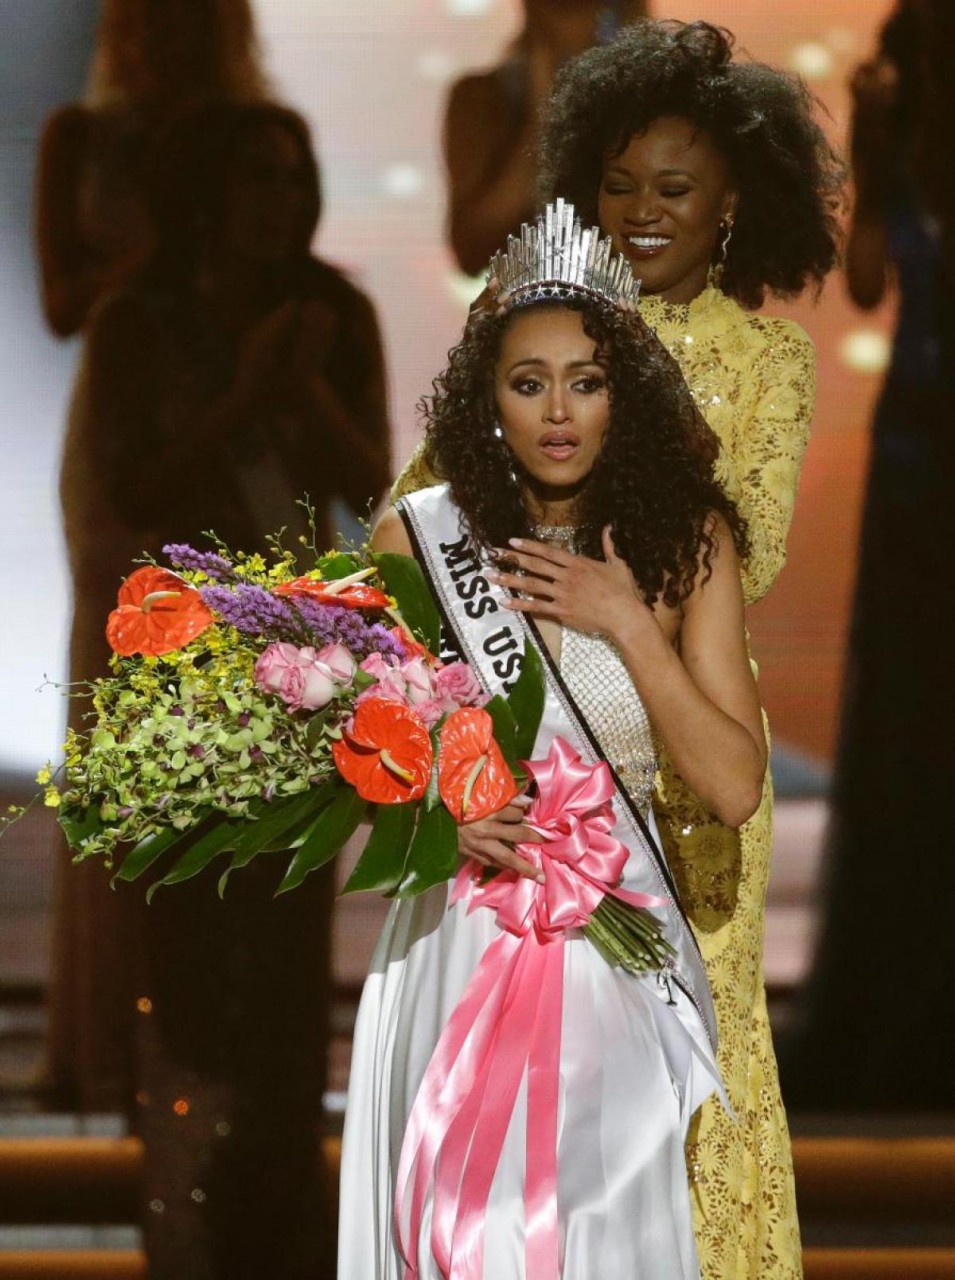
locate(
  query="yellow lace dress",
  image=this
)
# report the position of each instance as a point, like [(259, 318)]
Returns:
[(753, 377)]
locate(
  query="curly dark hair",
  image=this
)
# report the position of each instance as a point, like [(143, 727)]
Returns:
[(790, 180), (653, 482)]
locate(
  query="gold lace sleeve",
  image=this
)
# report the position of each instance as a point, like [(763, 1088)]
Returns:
[(415, 474), (769, 441)]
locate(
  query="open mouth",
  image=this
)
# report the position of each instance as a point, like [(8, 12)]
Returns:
[(647, 246), (559, 445)]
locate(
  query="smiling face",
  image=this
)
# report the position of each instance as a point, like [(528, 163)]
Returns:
[(662, 201), (553, 405)]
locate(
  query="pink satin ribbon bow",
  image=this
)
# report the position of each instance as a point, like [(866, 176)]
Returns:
[(508, 1021)]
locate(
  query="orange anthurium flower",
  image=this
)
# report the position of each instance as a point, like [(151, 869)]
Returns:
[(474, 779), (348, 593), (157, 612), (412, 647), (387, 753)]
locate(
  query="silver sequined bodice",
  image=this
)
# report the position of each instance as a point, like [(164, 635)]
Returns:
[(601, 686)]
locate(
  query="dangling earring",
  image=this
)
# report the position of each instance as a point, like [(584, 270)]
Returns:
[(716, 270), (499, 435)]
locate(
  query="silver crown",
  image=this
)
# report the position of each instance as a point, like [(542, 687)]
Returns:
[(555, 258)]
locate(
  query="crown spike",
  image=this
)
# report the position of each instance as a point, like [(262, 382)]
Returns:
[(575, 253), (567, 240), (586, 248), (555, 257)]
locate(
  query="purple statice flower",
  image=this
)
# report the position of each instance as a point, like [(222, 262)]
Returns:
[(253, 610), (210, 563), (384, 642), (300, 620), (335, 624), (327, 623)]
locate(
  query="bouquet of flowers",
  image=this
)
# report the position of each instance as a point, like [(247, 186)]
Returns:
[(253, 710)]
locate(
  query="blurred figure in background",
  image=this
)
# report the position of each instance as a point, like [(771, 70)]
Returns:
[(236, 373), (492, 125), (152, 62), (225, 372), (875, 1034), (94, 232)]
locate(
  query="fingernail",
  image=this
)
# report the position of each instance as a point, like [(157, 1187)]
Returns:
[(492, 576), (541, 879), (515, 542)]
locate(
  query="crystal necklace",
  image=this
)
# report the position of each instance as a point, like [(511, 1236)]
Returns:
[(566, 536)]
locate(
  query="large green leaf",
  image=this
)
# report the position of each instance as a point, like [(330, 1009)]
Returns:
[(142, 856), (404, 580), (526, 701), (293, 836), (433, 856), (317, 723), (288, 829), (505, 729), (382, 862), (79, 824), (218, 837), (277, 819), (336, 823), (338, 564), (236, 863)]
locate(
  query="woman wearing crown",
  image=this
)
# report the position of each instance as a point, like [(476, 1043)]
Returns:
[(580, 517), (713, 177)]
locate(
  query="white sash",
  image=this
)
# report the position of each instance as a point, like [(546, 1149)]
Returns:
[(492, 638)]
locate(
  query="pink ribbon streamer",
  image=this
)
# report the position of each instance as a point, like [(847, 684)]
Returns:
[(508, 1021)]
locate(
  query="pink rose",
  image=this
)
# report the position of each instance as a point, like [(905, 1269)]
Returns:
[(275, 666), (458, 686), (300, 677), (418, 679), (318, 685), (390, 683), (415, 684), (430, 712), (339, 662)]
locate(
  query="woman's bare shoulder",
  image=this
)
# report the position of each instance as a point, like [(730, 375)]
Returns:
[(390, 534)]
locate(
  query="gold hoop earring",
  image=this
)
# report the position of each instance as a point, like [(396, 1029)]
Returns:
[(716, 271)]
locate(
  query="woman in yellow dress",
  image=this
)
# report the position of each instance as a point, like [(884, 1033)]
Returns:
[(713, 178)]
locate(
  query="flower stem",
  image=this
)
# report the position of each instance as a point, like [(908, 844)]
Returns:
[(627, 936)]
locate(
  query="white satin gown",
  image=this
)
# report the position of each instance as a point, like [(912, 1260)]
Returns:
[(633, 1068)]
